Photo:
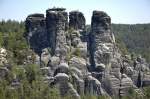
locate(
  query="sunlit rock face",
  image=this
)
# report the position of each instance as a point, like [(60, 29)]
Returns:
[(3, 57), (36, 34)]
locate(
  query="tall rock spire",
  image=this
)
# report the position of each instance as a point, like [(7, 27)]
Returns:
[(100, 39), (36, 32), (57, 23)]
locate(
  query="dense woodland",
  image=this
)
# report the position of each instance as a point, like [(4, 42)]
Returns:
[(133, 39)]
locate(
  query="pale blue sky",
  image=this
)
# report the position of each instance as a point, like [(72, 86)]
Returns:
[(121, 11)]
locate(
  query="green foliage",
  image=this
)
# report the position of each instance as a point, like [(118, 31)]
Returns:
[(134, 38), (32, 85), (32, 72), (11, 38), (68, 56), (147, 92), (77, 52), (122, 47)]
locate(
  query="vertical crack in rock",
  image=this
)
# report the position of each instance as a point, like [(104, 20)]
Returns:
[(57, 24)]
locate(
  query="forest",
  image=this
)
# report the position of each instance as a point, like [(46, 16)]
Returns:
[(133, 38)]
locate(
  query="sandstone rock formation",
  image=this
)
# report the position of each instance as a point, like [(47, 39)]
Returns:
[(80, 63), (76, 20), (36, 34), (56, 22)]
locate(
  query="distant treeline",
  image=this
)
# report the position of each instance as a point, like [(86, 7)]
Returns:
[(135, 38)]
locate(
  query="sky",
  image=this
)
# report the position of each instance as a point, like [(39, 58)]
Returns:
[(120, 11)]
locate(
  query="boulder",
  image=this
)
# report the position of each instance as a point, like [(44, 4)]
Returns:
[(62, 68)]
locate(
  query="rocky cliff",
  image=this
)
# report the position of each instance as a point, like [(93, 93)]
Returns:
[(80, 63)]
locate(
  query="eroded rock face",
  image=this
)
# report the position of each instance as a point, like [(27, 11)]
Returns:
[(76, 20), (81, 66), (93, 86), (36, 32), (66, 88), (100, 39), (56, 22)]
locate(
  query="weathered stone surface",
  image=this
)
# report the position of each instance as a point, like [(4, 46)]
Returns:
[(36, 34), (78, 82), (62, 68), (126, 85), (76, 20), (111, 85), (93, 86), (65, 87), (53, 64), (56, 22), (100, 39), (146, 80), (79, 63)]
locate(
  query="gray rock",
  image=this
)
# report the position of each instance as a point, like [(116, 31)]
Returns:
[(126, 85), (111, 85), (146, 80), (79, 82), (101, 39), (65, 87), (100, 67), (77, 20), (3, 72), (56, 22), (36, 34), (93, 86), (53, 64), (62, 68), (79, 63)]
